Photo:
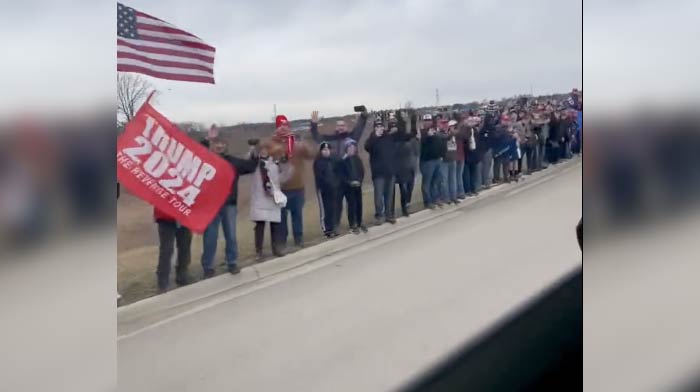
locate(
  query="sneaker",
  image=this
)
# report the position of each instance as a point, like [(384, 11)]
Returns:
[(440, 205), (299, 243), (162, 290), (355, 230), (405, 213), (363, 228), (456, 201), (431, 206), (461, 197), (234, 270), (378, 221), (259, 256), (208, 274), (391, 220)]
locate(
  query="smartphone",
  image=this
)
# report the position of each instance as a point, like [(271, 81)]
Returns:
[(360, 109)]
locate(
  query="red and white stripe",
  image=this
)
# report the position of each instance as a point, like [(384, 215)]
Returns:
[(165, 51)]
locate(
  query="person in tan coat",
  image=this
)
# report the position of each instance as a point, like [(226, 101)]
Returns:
[(293, 163)]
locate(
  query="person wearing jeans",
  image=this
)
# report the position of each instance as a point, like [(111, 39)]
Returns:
[(295, 208), (384, 199), (171, 234), (226, 217), (381, 146), (292, 162), (431, 153), (450, 163), (462, 136), (441, 185), (472, 178), (486, 154)]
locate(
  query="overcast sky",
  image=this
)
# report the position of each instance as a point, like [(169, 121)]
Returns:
[(301, 55), (332, 55)]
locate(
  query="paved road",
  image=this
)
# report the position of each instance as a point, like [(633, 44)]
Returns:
[(371, 320)]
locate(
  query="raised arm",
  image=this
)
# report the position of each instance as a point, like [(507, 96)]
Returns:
[(314, 127), (402, 135), (359, 127), (414, 123), (401, 121), (369, 143)]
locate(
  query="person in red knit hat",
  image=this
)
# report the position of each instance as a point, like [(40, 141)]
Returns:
[(292, 166)]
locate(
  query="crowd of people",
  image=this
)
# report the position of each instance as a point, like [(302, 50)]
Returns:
[(458, 154)]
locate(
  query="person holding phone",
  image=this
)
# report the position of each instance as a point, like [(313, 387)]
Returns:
[(293, 161)]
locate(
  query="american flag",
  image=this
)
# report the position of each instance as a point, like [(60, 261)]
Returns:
[(153, 47)]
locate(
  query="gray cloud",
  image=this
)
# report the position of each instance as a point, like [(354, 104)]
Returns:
[(331, 55)]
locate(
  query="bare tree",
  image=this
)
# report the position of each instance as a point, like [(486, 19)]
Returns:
[(408, 105), (132, 90)]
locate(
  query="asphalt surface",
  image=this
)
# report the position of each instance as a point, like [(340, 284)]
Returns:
[(375, 317)]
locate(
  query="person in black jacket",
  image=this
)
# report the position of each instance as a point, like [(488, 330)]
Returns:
[(431, 153), (352, 173), (486, 148), (226, 217), (327, 188), (473, 155), (381, 146), (406, 159), (556, 136)]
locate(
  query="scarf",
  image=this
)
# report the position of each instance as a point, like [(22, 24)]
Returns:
[(285, 137), (267, 185)]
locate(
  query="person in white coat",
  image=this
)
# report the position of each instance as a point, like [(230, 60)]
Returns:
[(267, 200)]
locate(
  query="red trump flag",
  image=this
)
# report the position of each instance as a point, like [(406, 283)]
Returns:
[(163, 166)]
